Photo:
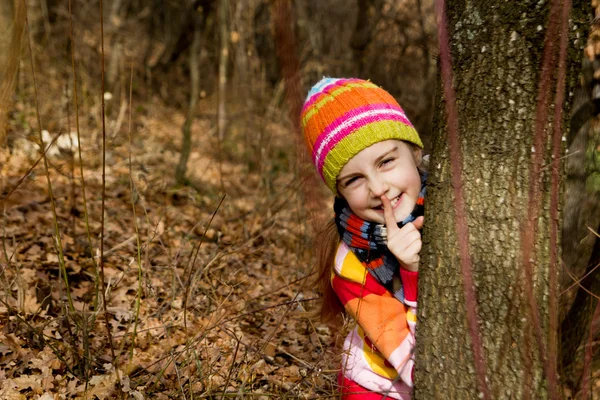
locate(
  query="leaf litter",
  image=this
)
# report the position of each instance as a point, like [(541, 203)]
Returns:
[(241, 333)]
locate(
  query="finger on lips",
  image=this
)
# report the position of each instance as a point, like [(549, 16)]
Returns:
[(388, 215)]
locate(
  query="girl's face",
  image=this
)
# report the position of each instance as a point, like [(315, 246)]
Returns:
[(385, 168)]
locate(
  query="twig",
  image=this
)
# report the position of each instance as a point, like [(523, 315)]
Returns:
[(20, 181), (179, 381), (193, 262), (237, 347), (71, 161), (137, 230), (57, 237), (83, 186), (578, 281), (586, 380), (102, 208), (122, 244)]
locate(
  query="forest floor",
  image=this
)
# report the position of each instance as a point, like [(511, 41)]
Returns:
[(206, 300)]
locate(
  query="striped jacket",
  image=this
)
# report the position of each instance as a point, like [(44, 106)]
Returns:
[(378, 352)]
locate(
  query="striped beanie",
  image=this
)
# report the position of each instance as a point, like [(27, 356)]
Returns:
[(341, 117)]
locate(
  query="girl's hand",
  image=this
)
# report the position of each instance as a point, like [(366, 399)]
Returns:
[(404, 243)]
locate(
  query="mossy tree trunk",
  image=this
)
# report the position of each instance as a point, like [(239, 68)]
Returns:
[(496, 48)]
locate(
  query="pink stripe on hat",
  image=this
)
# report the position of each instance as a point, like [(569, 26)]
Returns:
[(350, 117), (364, 119)]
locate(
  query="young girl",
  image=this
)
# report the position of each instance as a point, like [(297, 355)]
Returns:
[(368, 154)]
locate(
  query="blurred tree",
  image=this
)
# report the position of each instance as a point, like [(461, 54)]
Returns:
[(12, 24), (581, 245), (223, 61), (363, 33), (175, 22), (186, 129), (6, 20), (497, 49), (264, 41)]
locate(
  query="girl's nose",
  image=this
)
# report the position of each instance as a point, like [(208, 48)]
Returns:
[(378, 187)]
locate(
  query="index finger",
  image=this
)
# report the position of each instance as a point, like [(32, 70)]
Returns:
[(388, 214)]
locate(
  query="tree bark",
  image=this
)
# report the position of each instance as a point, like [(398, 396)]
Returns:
[(496, 50)]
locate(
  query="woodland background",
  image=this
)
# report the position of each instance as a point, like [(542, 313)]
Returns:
[(206, 234), (205, 276)]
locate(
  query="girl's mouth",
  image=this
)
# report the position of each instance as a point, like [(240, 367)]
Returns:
[(394, 202)]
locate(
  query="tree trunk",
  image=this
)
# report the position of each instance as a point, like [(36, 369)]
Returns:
[(223, 62), (186, 130), (496, 50), (362, 35), (10, 54)]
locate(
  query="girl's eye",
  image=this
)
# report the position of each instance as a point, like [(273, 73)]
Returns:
[(386, 161), (351, 181)]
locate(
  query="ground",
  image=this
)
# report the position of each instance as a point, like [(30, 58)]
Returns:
[(209, 300)]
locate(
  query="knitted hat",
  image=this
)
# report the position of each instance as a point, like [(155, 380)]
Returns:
[(341, 117)]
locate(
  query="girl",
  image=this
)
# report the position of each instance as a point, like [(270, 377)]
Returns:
[(369, 155)]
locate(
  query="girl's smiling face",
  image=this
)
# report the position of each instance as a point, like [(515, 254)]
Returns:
[(386, 168)]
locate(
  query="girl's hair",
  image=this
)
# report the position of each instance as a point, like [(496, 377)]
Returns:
[(328, 239), (330, 308)]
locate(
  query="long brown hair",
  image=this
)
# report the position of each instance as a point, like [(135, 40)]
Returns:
[(330, 308), (328, 240)]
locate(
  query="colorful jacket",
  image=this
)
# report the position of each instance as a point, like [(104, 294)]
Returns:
[(378, 353)]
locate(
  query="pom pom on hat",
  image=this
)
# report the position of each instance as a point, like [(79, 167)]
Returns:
[(342, 117)]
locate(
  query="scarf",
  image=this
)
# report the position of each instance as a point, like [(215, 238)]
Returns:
[(368, 240)]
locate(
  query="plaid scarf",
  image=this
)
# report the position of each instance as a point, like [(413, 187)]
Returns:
[(368, 240)]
